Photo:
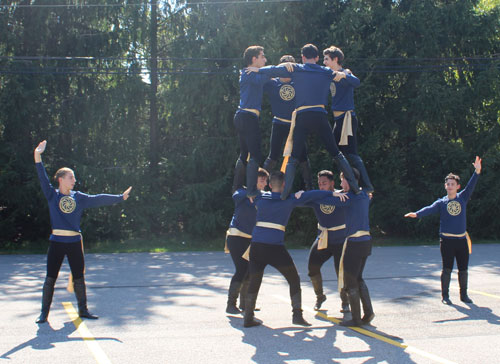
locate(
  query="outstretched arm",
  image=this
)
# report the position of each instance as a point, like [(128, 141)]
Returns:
[(411, 214), (467, 191)]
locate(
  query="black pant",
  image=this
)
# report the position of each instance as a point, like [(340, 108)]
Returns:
[(355, 257), (352, 141), (279, 134), (55, 257), (308, 122), (276, 256), (455, 248), (318, 257), (247, 126), (237, 245)]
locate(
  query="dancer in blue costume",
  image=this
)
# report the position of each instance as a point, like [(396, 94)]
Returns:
[(454, 239), (66, 207)]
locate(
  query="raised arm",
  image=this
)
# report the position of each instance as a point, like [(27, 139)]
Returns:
[(272, 71), (47, 188), (467, 191)]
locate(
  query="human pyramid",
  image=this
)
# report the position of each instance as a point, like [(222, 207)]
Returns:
[(298, 94), (255, 237)]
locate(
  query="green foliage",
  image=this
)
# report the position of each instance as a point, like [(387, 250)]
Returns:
[(428, 103)]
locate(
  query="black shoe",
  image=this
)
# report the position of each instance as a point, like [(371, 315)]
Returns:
[(368, 318), (232, 309), (251, 322), (446, 301), (319, 301), (42, 318), (352, 323), (298, 319), (345, 308), (86, 314), (465, 298)]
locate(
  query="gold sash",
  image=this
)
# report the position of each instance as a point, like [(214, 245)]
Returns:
[(289, 141), (323, 236), (234, 232), (61, 232), (357, 234), (253, 111), (246, 254), (464, 235), (346, 126), (270, 225)]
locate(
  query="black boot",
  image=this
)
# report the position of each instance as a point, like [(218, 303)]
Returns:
[(445, 286), (47, 294), (81, 299), (291, 167), (249, 319), (269, 165), (239, 175), (356, 162), (345, 301), (346, 169), (297, 318), (317, 283), (354, 298), (463, 277), (305, 169), (252, 174), (232, 296), (366, 301)]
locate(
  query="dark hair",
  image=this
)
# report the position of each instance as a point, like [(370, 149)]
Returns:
[(262, 173), (61, 173), (250, 52), (334, 52), (354, 171), (287, 58), (456, 177), (326, 173), (310, 51), (277, 177)]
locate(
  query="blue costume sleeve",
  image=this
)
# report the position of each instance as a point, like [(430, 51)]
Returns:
[(275, 71), (467, 191), (310, 196), (257, 78), (47, 188), (429, 210), (352, 80), (99, 200), (239, 195)]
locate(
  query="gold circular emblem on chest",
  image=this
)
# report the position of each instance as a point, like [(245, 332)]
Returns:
[(67, 204), (454, 208), (327, 209), (287, 92), (333, 89)]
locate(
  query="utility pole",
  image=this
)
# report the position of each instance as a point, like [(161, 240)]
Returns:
[(153, 113)]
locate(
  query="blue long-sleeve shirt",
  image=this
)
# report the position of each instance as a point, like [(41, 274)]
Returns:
[(244, 212), (66, 210), (282, 98), (343, 93), (452, 213), (312, 83), (356, 213), (329, 216), (251, 90), (272, 209)]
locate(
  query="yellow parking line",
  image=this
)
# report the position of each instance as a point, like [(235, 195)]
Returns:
[(379, 337), (99, 355), (484, 293)]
